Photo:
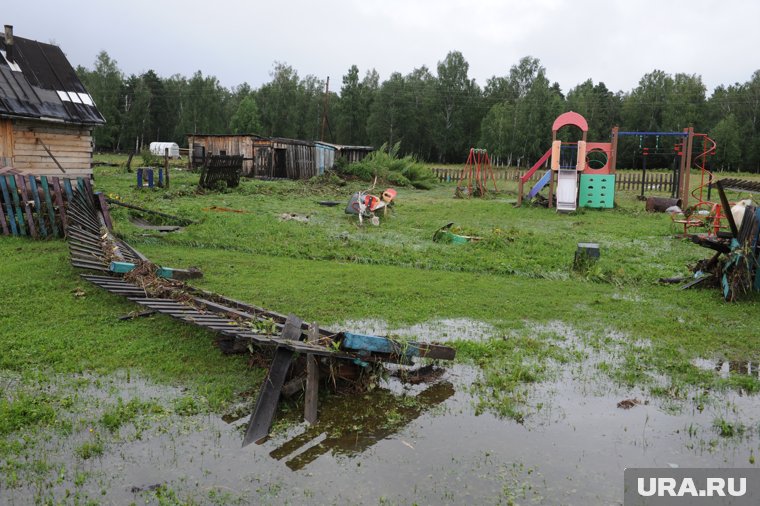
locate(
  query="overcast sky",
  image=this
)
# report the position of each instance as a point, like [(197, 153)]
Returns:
[(612, 41)]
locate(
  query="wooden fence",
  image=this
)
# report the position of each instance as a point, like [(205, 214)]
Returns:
[(626, 181), (38, 206)]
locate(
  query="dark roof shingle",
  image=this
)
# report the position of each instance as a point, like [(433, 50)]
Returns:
[(42, 84)]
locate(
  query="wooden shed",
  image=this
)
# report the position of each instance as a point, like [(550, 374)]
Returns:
[(351, 154), (263, 157), (46, 114)]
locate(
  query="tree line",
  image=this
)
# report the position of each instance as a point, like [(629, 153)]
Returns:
[(435, 115)]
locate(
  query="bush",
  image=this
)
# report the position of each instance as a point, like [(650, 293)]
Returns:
[(386, 165), (151, 160)]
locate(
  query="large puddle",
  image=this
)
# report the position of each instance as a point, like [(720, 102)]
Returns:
[(400, 444)]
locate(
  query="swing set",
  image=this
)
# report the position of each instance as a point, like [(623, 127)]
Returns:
[(703, 213), (475, 174)]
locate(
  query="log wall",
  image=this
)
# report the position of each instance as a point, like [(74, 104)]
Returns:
[(71, 145)]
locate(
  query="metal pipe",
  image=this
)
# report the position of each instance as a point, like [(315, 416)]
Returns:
[(9, 43), (673, 134)]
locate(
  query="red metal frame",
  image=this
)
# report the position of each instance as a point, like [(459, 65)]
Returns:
[(477, 171)]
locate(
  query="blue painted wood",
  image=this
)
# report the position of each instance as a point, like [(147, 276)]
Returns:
[(121, 267), (139, 177), (124, 267), (49, 203), (8, 205), (37, 205), (17, 203), (378, 344), (149, 172), (540, 184), (69, 190), (3, 222)]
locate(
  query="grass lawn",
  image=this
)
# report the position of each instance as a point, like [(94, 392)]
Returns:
[(331, 270)]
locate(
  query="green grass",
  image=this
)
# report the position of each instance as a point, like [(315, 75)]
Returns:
[(331, 270)]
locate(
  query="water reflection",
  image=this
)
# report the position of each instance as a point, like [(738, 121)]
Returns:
[(349, 425), (727, 367)]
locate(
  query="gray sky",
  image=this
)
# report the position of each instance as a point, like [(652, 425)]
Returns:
[(237, 41)]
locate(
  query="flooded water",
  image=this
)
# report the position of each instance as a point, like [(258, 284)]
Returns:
[(442, 330), (400, 444)]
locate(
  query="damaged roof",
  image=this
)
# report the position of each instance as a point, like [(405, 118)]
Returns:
[(40, 83)]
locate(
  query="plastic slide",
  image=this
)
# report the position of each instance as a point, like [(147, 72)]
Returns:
[(567, 190), (540, 184)]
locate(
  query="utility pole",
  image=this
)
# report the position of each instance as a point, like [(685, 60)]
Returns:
[(324, 109)]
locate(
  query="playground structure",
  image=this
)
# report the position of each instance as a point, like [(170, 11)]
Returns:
[(582, 173), (475, 174)]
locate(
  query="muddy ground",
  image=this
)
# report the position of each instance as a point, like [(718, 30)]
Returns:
[(399, 444)]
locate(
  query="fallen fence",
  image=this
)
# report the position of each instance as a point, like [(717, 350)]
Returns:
[(240, 327)]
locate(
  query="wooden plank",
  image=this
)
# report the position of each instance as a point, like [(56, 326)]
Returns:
[(8, 205), (50, 153), (269, 395), (17, 204), (88, 187), (311, 392), (49, 203), (25, 204), (3, 223), (379, 344), (61, 206), (38, 206), (69, 191), (104, 210)]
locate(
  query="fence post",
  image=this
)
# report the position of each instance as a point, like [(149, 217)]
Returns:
[(166, 166)]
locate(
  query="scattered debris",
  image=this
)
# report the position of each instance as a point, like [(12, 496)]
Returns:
[(178, 221), (162, 272), (365, 205), (629, 403), (672, 281), (141, 223), (424, 374), (450, 234), (224, 210), (303, 218), (734, 265), (663, 204)]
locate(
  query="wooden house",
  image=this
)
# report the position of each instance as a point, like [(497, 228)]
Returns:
[(46, 114)]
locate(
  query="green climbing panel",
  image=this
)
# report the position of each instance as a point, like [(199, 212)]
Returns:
[(597, 190)]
